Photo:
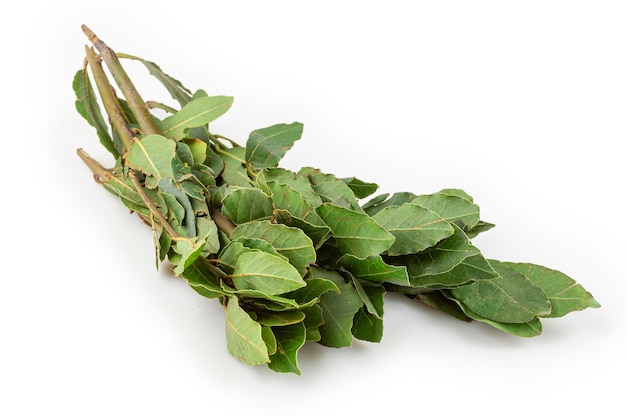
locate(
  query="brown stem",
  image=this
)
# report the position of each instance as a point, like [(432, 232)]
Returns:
[(135, 102), (222, 222), (153, 209), (100, 173), (109, 100)]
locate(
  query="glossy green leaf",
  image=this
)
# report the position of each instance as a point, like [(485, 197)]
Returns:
[(414, 228), (266, 147), (243, 205), (152, 155), (243, 335), (267, 273), (289, 340), (355, 233), (288, 241), (197, 112), (565, 294), (512, 298)]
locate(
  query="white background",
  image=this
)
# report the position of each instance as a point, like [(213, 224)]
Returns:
[(521, 104)]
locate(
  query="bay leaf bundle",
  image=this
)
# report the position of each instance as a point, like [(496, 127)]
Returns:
[(294, 257)]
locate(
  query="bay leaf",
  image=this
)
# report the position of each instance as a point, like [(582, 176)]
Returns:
[(288, 241), (152, 155), (452, 205), (243, 204), (373, 268), (197, 112), (355, 233), (565, 294), (266, 147), (289, 340), (414, 228), (244, 338), (338, 310), (512, 298), (267, 273)]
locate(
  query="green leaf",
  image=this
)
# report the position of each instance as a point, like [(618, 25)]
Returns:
[(565, 294), (87, 106), (198, 150), (208, 232), (267, 273), (452, 205), (374, 268), (480, 227), (261, 300), (372, 296), (152, 155), (361, 189), (269, 339), (378, 203), (331, 189), (316, 285), (414, 228), (197, 112), (530, 328), (367, 326), (439, 259), (234, 172), (512, 298), (189, 251), (279, 318), (266, 147), (298, 183), (338, 311), (284, 197), (243, 335), (439, 301), (289, 340), (288, 241), (200, 277), (188, 222), (355, 233), (470, 269), (313, 320), (318, 234), (178, 91), (243, 205)]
